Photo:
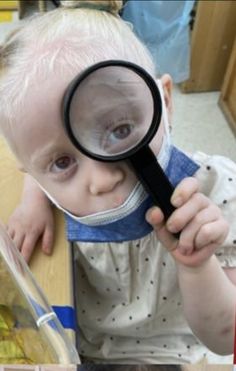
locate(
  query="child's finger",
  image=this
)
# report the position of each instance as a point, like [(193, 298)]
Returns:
[(47, 240), (189, 233), (214, 232), (10, 230), (184, 214), (184, 190), (155, 217), (29, 245), (197, 258), (18, 240)]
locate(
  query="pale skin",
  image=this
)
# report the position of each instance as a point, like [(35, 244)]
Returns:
[(84, 186), (24, 228)]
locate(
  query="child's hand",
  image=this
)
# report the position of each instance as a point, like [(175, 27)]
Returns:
[(29, 222), (200, 223)]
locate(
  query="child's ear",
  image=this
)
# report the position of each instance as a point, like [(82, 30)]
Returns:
[(167, 85)]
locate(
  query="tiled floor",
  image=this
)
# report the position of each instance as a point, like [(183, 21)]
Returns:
[(199, 124)]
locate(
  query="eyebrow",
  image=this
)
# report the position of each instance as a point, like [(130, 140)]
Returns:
[(43, 153)]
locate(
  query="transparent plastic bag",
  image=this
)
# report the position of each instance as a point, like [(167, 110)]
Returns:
[(30, 332), (163, 26)]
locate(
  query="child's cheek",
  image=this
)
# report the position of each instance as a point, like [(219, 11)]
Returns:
[(156, 142)]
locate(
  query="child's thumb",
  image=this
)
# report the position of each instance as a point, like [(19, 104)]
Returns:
[(155, 217)]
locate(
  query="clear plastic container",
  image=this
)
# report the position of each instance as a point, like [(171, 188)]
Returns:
[(30, 332)]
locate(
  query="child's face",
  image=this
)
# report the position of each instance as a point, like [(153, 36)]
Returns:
[(79, 184)]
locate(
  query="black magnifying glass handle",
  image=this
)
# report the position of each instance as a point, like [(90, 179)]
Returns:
[(154, 180)]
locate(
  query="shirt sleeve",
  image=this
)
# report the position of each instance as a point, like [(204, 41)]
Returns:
[(217, 177)]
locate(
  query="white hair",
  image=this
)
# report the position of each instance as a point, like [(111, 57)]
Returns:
[(62, 40)]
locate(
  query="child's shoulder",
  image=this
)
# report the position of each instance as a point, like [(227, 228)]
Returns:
[(217, 174), (215, 162), (217, 178)]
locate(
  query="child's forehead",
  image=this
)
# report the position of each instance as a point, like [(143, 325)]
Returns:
[(43, 82), (45, 95), (40, 122)]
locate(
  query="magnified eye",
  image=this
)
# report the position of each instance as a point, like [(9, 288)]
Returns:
[(62, 163), (122, 131), (118, 136)]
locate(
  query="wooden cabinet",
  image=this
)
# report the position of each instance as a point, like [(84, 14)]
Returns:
[(211, 44), (227, 100), (27, 7)]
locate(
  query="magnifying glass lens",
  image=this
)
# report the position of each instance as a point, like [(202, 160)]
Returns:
[(111, 111)]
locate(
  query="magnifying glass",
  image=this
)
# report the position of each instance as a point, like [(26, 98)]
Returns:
[(111, 113)]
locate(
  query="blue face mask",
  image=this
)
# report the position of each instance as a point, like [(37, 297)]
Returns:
[(127, 222)]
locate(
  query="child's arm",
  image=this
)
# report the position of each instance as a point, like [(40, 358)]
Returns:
[(208, 293), (209, 302), (32, 220)]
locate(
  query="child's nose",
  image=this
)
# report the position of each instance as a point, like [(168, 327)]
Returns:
[(104, 177)]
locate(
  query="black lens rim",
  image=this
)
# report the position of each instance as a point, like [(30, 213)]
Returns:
[(157, 109)]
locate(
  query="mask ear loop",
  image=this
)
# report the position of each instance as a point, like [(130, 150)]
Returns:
[(53, 201), (164, 111)]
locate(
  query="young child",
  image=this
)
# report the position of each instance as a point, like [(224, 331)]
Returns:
[(144, 296)]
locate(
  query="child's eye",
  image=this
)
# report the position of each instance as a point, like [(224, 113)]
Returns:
[(119, 136), (121, 132), (63, 163)]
